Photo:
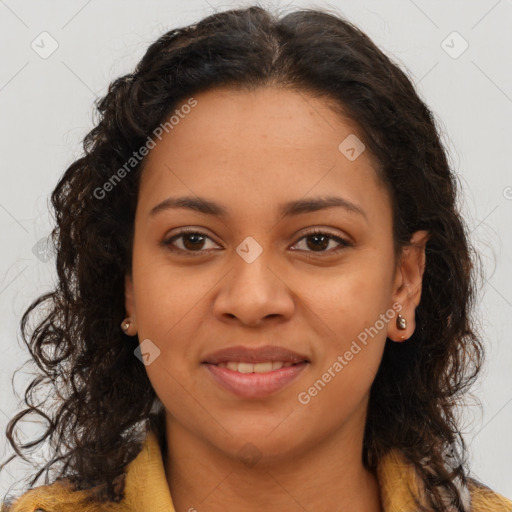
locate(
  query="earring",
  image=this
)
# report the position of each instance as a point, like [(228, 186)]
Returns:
[(126, 324), (401, 322)]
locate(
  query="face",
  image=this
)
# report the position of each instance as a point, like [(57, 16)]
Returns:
[(265, 263)]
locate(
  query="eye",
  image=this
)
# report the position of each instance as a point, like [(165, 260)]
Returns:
[(192, 242), (320, 240)]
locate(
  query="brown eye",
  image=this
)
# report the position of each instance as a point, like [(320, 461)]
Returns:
[(319, 241), (193, 241), (190, 241)]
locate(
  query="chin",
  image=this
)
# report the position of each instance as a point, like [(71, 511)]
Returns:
[(260, 446)]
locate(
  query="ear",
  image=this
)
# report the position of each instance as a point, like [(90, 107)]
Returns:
[(129, 300), (408, 284)]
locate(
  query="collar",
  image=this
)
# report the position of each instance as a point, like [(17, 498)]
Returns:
[(399, 482), (146, 490)]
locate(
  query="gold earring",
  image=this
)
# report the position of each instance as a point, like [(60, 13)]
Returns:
[(401, 322)]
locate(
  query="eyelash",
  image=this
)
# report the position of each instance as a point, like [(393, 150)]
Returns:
[(343, 243)]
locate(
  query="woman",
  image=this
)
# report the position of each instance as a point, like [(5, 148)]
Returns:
[(265, 285)]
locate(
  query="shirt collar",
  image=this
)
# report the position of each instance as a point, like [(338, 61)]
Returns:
[(146, 487)]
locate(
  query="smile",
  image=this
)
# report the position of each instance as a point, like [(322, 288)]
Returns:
[(258, 380), (264, 367)]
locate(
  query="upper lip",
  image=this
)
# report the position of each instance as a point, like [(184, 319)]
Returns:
[(254, 355)]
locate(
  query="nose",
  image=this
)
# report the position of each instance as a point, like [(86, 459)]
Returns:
[(253, 293)]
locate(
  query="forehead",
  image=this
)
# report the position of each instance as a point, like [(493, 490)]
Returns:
[(242, 120), (268, 141)]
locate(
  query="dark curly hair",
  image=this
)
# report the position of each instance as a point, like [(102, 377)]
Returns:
[(105, 399)]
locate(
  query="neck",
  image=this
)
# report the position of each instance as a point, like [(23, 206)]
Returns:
[(327, 476)]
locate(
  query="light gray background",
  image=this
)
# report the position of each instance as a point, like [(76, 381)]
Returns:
[(46, 109)]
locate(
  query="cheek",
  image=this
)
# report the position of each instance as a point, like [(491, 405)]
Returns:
[(349, 323), (165, 294), (171, 307), (350, 353), (347, 301)]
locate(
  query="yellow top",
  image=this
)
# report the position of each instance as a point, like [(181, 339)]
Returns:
[(146, 489)]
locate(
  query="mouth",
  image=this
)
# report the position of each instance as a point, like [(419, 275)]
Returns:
[(263, 367), (255, 355), (255, 372)]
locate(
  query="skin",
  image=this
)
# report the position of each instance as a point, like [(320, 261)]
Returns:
[(251, 151)]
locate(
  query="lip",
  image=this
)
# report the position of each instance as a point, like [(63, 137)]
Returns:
[(255, 385), (254, 355)]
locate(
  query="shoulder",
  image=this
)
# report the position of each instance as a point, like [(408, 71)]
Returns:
[(60, 497), (35, 498), (128, 489), (402, 486), (484, 499)]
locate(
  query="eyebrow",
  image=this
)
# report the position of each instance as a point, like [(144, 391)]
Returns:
[(291, 208)]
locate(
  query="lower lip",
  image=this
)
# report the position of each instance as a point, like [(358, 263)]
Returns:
[(255, 385)]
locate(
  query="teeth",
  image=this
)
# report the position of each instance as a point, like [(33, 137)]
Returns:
[(246, 367), (263, 367), (254, 368)]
